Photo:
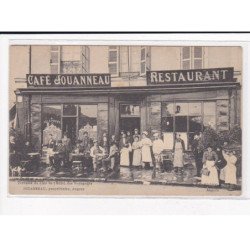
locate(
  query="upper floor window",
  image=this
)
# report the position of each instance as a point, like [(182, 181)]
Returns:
[(114, 60), (69, 59), (192, 57), (145, 60)]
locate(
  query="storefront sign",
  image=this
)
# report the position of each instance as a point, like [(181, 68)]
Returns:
[(190, 76), (77, 80)]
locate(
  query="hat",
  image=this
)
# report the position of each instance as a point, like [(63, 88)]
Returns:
[(94, 140), (145, 132)]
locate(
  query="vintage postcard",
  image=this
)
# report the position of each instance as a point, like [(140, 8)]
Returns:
[(125, 120)]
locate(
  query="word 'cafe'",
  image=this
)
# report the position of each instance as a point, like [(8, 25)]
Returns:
[(69, 80), (180, 101)]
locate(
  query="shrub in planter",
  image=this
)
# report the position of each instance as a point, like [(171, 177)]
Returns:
[(210, 137)]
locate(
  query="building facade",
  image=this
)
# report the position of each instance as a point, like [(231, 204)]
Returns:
[(107, 89)]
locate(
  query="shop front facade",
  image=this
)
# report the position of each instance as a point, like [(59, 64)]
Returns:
[(168, 102)]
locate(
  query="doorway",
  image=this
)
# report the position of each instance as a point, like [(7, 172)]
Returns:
[(69, 127), (130, 117), (130, 124)]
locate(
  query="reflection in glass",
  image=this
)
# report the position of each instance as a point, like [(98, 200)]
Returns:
[(194, 108), (209, 108), (181, 109), (51, 122), (181, 124), (167, 124), (209, 121), (195, 123), (69, 109), (129, 110), (88, 120), (167, 109)]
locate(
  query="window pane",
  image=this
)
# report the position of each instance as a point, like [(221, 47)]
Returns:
[(195, 123), (51, 122), (186, 64), (71, 67), (112, 56), (167, 109), (129, 110), (54, 57), (197, 63), (71, 53), (113, 69), (54, 48), (69, 109), (209, 121), (143, 69), (209, 108), (88, 121), (181, 109), (197, 52), (112, 47), (54, 69), (143, 54), (167, 124), (181, 123), (194, 108), (185, 52)]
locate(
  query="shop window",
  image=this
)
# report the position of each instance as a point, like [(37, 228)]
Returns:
[(88, 120), (209, 119), (192, 57), (114, 60), (188, 118), (51, 122)]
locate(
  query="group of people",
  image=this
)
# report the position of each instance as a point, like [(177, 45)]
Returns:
[(135, 150), (215, 165)]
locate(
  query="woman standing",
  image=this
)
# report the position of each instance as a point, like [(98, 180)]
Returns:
[(136, 152), (125, 148), (230, 169), (209, 171), (146, 145), (179, 147)]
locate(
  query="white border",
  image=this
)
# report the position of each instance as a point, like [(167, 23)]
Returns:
[(124, 204)]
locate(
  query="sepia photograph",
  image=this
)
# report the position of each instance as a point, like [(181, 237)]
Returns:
[(125, 120)]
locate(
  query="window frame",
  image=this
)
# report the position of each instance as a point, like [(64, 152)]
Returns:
[(188, 116), (58, 64), (117, 49), (192, 57)]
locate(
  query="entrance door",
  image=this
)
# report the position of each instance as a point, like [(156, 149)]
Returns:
[(69, 127), (130, 117)]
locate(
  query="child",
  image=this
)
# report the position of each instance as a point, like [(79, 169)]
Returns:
[(136, 152)]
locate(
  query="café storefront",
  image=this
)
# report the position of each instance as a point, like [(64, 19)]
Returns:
[(183, 101)]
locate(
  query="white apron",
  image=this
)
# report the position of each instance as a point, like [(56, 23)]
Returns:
[(124, 158), (145, 150), (213, 178)]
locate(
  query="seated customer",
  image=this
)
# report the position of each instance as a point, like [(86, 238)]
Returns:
[(60, 155), (97, 153), (78, 149), (112, 158)]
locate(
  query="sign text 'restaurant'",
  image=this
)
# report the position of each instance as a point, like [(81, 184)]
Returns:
[(191, 76), (77, 80)]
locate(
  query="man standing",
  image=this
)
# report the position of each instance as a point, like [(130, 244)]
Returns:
[(198, 153), (158, 147), (146, 145)]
